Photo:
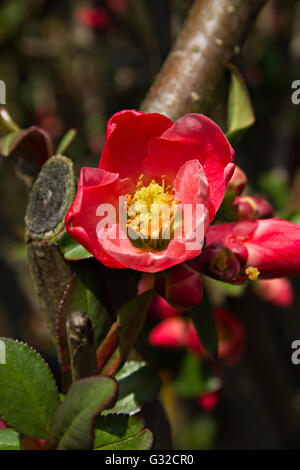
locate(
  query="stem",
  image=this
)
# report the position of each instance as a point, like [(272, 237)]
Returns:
[(50, 197), (213, 33), (81, 344)]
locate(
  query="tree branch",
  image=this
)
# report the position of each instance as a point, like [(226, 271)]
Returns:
[(213, 33), (51, 195)]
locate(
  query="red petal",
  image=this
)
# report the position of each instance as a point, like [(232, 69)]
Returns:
[(177, 251), (170, 333), (193, 136), (127, 136), (274, 249), (95, 187)]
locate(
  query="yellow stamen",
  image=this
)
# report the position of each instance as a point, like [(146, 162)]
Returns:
[(252, 273), (144, 206)]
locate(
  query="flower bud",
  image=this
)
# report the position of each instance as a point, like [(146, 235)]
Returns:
[(219, 262), (278, 291), (209, 400), (181, 285), (250, 208), (170, 333), (237, 182)]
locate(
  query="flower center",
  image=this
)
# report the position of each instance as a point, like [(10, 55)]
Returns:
[(150, 215)]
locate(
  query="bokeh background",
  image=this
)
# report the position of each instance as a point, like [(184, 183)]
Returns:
[(72, 64)]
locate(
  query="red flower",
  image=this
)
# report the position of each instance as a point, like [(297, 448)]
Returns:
[(276, 291), (2, 424), (272, 246), (91, 17), (170, 333), (147, 158), (209, 400), (180, 332)]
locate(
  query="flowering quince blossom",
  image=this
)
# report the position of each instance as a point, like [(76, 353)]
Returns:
[(149, 160)]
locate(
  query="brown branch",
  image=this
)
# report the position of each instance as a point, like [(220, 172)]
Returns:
[(213, 33)]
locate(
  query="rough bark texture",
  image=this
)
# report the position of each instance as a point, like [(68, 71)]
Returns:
[(49, 200), (213, 33)]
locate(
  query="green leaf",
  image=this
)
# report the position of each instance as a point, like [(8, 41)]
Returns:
[(276, 187), (71, 249), (33, 145), (190, 381), (296, 218), (9, 440), (28, 393), (132, 390), (240, 111), (123, 334), (205, 326), (66, 141), (231, 290), (72, 425), (193, 378), (122, 432)]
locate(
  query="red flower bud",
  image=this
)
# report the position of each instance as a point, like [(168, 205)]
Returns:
[(219, 262), (250, 208), (181, 285), (209, 400), (96, 18), (237, 182), (271, 246), (276, 291), (170, 333), (2, 424)]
